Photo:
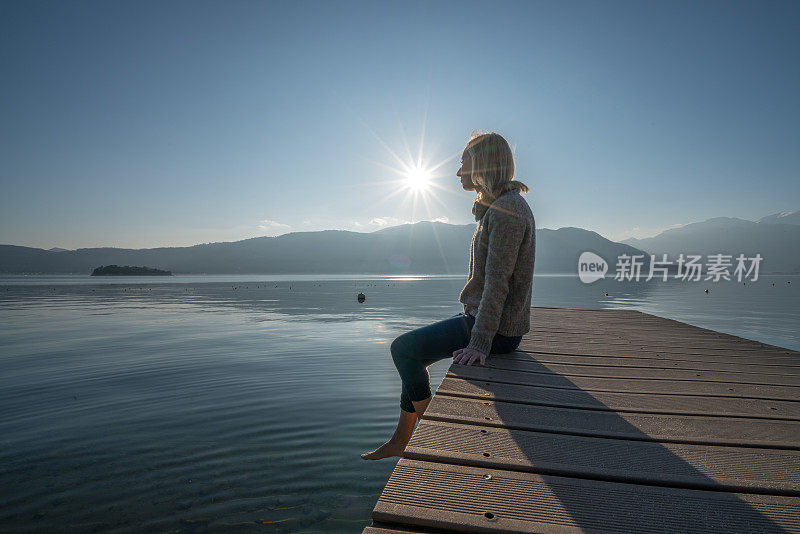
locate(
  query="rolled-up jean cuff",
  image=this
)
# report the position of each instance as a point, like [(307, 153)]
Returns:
[(419, 394), (405, 403)]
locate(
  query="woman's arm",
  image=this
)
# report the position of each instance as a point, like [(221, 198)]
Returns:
[(506, 232)]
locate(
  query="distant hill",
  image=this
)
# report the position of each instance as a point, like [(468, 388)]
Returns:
[(784, 217), (425, 247), (776, 237), (557, 251), (128, 270)]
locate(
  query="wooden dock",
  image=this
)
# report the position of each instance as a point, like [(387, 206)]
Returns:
[(607, 421)]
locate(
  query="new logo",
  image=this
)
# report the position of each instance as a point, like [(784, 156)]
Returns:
[(591, 267)]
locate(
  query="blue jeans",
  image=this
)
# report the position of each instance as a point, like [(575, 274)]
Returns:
[(414, 351)]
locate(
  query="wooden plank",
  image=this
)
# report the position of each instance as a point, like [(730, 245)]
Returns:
[(790, 379), (613, 334), (540, 332), (567, 341), (650, 342), (738, 469), (545, 335), (608, 350), (500, 362), (622, 326), (586, 321), (643, 427), (596, 313), (666, 358), (655, 386), (621, 402), (470, 499), (582, 347), (388, 528)]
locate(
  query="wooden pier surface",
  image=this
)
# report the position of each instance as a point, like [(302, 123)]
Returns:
[(606, 421)]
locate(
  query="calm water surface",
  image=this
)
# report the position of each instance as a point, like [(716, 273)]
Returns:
[(239, 403)]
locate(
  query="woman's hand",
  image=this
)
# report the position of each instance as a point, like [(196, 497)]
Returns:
[(469, 356)]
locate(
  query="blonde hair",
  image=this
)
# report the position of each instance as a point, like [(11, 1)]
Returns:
[(492, 166)]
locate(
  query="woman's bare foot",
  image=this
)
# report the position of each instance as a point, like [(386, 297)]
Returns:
[(390, 448), (397, 443)]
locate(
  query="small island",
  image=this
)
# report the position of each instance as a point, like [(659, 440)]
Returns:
[(116, 270)]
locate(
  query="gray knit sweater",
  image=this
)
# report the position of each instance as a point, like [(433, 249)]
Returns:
[(500, 282)]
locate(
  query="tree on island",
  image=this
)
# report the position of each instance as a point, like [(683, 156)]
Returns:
[(127, 270)]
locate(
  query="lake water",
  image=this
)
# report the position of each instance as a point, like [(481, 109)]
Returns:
[(218, 403)]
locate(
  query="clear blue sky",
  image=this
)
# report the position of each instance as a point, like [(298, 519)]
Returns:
[(139, 124)]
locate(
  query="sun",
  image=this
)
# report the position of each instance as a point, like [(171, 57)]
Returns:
[(418, 178)]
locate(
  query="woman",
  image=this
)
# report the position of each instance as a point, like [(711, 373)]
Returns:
[(497, 297)]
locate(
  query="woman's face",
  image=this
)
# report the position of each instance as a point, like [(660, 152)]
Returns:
[(465, 172)]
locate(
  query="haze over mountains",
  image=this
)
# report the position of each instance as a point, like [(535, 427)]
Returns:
[(776, 237), (425, 247)]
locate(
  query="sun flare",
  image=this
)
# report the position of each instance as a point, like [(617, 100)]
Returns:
[(418, 179)]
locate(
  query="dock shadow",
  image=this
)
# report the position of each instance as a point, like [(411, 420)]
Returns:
[(675, 515)]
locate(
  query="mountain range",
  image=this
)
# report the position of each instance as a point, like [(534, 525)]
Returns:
[(775, 237), (424, 247)]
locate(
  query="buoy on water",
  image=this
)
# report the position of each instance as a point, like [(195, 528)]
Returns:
[(361, 297)]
